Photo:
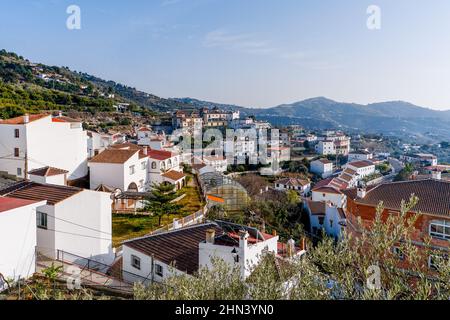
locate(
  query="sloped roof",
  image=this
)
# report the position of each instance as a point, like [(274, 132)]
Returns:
[(48, 172), (174, 175), (28, 190), (434, 195), (293, 182), (159, 154), (114, 156), (179, 247), (7, 203), (20, 119)]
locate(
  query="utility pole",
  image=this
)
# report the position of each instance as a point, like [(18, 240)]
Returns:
[(26, 165)]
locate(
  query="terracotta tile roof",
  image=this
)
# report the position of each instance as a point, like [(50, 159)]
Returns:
[(159, 154), (115, 156), (144, 129), (325, 161), (327, 190), (47, 172), (7, 204), (20, 120), (317, 208), (361, 164), (65, 119), (104, 188), (293, 182), (434, 196), (126, 146), (174, 175), (28, 190), (180, 247)]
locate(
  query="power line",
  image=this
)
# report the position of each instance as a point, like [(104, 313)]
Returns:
[(78, 225)]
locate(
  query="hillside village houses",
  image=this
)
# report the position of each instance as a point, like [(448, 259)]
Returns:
[(34, 141), (185, 251), (129, 167), (98, 142), (333, 143), (301, 186), (359, 155)]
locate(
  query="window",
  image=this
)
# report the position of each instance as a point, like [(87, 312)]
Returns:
[(153, 165), (159, 270), (41, 220), (16, 152), (440, 229), (331, 223), (398, 252), (321, 219), (143, 165), (136, 262), (16, 133), (132, 170), (19, 172)]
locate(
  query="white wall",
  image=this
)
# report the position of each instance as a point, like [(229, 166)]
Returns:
[(59, 180), (46, 143), (336, 199), (83, 225), (132, 274), (110, 174), (18, 242)]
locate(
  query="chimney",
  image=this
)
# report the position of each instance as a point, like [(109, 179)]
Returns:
[(243, 238), (145, 150), (290, 248), (26, 118), (60, 113), (361, 192), (210, 235)]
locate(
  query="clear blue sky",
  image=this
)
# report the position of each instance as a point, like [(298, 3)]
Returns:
[(256, 53)]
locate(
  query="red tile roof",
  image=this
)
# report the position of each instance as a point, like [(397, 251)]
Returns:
[(174, 175), (434, 195), (327, 190), (361, 164), (7, 203), (28, 190), (293, 182), (180, 247), (159, 154), (47, 172), (20, 120), (114, 156)]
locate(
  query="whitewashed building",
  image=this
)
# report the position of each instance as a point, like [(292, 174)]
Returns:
[(299, 185), (49, 175), (362, 168), (17, 238), (186, 250), (123, 167), (322, 167), (73, 220), (219, 163), (359, 155), (33, 141), (324, 216), (97, 142)]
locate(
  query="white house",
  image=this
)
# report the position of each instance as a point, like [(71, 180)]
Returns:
[(34, 141), (329, 194), (73, 220), (362, 168), (17, 238), (299, 185), (49, 175), (97, 142), (123, 167), (219, 163), (325, 147), (164, 166), (185, 250), (322, 167), (324, 216), (359, 155)]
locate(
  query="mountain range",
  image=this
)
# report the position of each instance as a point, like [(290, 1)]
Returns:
[(31, 87)]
